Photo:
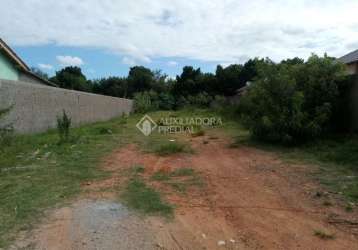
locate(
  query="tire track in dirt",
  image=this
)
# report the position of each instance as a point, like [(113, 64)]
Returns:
[(250, 200)]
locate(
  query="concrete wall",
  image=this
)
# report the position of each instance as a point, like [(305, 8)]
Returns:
[(24, 77), (37, 106)]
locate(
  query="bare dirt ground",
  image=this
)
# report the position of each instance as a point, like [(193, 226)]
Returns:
[(250, 200)]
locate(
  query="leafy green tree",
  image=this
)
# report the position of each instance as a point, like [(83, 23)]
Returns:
[(250, 70), (72, 78), (208, 83), (187, 83), (112, 86), (139, 79), (229, 79), (160, 82), (293, 61), (290, 103)]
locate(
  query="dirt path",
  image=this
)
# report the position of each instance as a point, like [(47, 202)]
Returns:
[(250, 200)]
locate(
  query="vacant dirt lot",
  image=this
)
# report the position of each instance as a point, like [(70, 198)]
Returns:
[(250, 200)]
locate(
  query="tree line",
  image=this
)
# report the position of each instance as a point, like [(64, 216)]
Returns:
[(225, 81), (290, 101)]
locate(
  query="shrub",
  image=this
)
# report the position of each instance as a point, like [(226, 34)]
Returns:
[(142, 102), (6, 130), (146, 101), (181, 102), (201, 100), (292, 103), (166, 101), (63, 127)]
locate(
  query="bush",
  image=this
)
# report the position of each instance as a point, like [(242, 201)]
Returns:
[(292, 103), (146, 101), (6, 130), (63, 127), (219, 103), (201, 100), (181, 102), (166, 101)]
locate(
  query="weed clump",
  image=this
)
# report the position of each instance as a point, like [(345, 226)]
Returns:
[(7, 130), (324, 235), (63, 127)]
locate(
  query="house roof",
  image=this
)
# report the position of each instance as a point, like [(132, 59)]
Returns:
[(350, 57), (20, 63), (13, 56)]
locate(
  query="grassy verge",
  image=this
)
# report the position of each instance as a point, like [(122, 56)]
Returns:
[(336, 158), (36, 172)]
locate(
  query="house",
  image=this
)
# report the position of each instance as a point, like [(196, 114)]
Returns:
[(13, 68), (351, 60)]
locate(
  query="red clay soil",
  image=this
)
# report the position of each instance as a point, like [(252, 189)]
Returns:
[(250, 200)]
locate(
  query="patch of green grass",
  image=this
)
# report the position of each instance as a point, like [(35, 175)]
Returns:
[(160, 176), (324, 235), (168, 148), (179, 184), (182, 172), (183, 184), (147, 200), (138, 169)]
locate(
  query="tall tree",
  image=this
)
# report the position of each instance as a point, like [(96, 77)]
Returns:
[(229, 79), (187, 83), (112, 86), (72, 78), (139, 79)]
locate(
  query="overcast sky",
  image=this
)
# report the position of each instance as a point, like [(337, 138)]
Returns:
[(171, 33)]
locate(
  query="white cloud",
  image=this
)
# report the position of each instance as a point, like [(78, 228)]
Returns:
[(172, 63), (128, 61), (69, 60), (208, 30), (45, 66)]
